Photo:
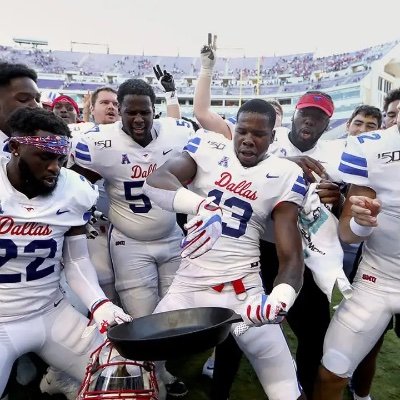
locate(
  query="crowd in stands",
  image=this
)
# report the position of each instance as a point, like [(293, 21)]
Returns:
[(298, 68)]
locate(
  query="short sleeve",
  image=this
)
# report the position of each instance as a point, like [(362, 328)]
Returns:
[(353, 166)]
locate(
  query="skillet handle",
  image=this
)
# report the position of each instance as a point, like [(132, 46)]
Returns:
[(243, 327)]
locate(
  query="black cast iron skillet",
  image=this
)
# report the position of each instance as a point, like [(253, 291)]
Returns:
[(172, 334)]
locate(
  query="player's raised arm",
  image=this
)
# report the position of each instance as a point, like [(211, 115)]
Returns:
[(359, 215), (82, 278), (167, 84), (202, 96)]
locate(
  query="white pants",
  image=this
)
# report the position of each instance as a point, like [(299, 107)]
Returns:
[(265, 346), (360, 321), (143, 270), (54, 335)]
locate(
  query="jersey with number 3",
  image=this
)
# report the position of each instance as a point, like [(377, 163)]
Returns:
[(31, 240), (373, 160), (125, 165), (247, 197)]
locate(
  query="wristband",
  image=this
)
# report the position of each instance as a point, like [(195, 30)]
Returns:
[(360, 230), (97, 304), (206, 72), (285, 294), (171, 98), (187, 202)]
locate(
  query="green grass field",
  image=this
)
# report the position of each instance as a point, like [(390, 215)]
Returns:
[(386, 384)]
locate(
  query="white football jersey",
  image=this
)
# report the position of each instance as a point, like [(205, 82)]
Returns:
[(373, 160), (4, 151), (327, 152), (103, 203), (247, 197), (31, 240), (125, 165)]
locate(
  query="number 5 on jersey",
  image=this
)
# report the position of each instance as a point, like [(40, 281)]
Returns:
[(142, 203)]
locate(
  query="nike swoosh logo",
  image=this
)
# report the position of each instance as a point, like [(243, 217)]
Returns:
[(56, 303), (271, 176), (210, 368), (166, 152), (59, 212)]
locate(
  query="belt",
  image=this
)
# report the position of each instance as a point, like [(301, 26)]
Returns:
[(237, 285)]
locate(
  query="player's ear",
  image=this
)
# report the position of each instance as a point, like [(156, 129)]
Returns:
[(273, 135), (13, 146), (119, 109)]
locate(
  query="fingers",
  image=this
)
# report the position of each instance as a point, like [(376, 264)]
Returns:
[(157, 71), (211, 43), (314, 166), (369, 206), (309, 165), (363, 214), (374, 205)]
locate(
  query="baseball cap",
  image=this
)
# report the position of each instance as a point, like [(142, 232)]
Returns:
[(318, 100), (65, 99)]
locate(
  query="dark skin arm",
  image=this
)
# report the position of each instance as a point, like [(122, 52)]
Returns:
[(174, 173), (91, 176), (288, 245)]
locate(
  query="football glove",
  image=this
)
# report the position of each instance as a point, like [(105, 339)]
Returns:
[(106, 314), (203, 230), (263, 309), (164, 79), (208, 56), (91, 231)]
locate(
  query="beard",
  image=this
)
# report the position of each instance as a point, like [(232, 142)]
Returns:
[(33, 184)]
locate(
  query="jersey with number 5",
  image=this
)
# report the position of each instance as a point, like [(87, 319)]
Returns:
[(247, 197), (373, 160), (31, 240), (125, 165)]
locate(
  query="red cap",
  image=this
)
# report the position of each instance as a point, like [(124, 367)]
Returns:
[(66, 99), (316, 100)]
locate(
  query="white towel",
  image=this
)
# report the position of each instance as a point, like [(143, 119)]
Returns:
[(323, 253)]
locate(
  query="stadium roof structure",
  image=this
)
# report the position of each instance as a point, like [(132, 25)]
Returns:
[(33, 42)]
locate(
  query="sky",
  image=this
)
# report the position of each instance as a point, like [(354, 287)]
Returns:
[(251, 28)]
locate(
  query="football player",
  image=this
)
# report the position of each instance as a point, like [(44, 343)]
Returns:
[(43, 210), (231, 205), (18, 89), (144, 239), (104, 110), (302, 145), (371, 214)]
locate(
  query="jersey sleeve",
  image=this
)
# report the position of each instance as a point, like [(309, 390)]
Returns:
[(83, 153), (83, 196), (294, 187), (353, 166)]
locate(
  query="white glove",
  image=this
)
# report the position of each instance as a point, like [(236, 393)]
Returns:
[(203, 230), (208, 56), (262, 309), (106, 314)]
